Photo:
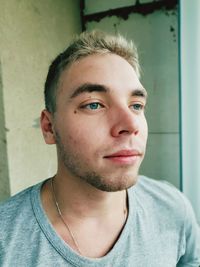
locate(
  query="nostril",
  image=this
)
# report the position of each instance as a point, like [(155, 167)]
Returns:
[(127, 132), (123, 131)]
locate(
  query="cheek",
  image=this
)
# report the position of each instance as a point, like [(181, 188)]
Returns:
[(80, 134), (80, 139), (82, 147), (144, 130), (88, 131)]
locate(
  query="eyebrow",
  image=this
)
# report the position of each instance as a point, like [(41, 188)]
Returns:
[(140, 92), (90, 88)]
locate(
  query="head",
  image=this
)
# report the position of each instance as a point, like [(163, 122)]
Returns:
[(95, 111)]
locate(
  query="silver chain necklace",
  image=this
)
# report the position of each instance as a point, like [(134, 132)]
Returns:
[(63, 220), (66, 224)]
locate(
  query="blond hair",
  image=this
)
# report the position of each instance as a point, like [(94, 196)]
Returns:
[(87, 43)]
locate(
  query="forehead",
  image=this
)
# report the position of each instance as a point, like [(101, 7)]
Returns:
[(108, 69)]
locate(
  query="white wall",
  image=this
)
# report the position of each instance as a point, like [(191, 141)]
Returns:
[(190, 96)]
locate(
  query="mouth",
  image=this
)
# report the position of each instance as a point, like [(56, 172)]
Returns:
[(125, 156)]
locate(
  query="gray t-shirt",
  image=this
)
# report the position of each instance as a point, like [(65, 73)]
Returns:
[(161, 231)]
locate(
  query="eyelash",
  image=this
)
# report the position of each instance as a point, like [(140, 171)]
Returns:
[(137, 107), (86, 106)]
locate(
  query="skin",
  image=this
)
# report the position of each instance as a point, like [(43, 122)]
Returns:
[(100, 112)]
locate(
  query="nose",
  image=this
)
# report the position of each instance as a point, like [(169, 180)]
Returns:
[(125, 122)]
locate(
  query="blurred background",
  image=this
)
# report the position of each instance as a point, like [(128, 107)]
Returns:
[(33, 32)]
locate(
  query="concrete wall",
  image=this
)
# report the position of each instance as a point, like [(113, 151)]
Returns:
[(154, 29), (32, 33), (4, 177)]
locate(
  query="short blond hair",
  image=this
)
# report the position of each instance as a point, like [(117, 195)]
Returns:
[(87, 43)]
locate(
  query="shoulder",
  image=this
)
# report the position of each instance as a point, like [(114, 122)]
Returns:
[(16, 207), (163, 197), (15, 201), (162, 206), (160, 189)]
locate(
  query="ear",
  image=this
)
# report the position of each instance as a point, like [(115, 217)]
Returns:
[(46, 123)]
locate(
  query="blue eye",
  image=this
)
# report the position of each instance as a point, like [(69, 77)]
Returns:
[(93, 106), (137, 106)]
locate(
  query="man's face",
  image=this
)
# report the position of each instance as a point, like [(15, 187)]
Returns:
[(99, 124)]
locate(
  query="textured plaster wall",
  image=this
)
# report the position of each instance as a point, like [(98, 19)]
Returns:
[(4, 178), (32, 33), (156, 37)]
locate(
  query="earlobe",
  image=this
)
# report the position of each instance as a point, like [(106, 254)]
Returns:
[(46, 123)]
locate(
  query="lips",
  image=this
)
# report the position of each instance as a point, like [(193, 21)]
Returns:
[(125, 153), (124, 156)]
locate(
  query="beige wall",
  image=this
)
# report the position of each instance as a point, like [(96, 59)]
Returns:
[(32, 33), (4, 180)]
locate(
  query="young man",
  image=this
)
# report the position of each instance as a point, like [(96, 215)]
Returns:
[(96, 210)]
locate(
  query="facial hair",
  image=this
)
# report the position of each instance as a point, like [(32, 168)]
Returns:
[(79, 168)]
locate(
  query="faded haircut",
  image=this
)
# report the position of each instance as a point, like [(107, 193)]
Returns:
[(87, 43)]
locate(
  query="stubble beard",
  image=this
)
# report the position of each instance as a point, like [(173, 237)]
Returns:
[(80, 169)]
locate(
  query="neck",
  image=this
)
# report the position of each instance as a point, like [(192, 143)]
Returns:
[(82, 200), (82, 213)]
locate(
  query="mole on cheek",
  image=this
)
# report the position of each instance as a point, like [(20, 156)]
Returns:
[(75, 111)]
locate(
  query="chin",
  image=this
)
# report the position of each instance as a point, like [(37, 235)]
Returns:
[(114, 185)]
